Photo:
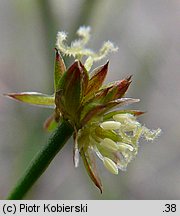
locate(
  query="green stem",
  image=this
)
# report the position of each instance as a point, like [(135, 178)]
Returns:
[(41, 161)]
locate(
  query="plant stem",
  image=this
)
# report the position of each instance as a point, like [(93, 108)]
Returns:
[(41, 161)]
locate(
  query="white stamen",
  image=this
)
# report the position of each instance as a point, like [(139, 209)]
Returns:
[(110, 125), (110, 165), (109, 144), (124, 146), (123, 117), (130, 125)]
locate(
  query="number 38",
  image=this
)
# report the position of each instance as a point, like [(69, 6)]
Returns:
[(170, 208)]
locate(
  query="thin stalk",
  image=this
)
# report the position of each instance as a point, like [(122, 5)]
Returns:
[(41, 161)]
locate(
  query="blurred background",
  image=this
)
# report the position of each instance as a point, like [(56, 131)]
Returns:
[(148, 36)]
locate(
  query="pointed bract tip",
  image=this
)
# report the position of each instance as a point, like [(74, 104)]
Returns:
[(5, 94), (135, 100), (57, 53), (10, 95), (138, 113), (101, 189), (129, 78), (106, 65), (99, 186)]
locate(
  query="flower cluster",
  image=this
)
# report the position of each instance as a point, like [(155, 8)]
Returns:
[(114, 139), (92, 108)]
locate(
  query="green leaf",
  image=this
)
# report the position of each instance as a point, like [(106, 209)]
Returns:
[(59, 69), (34, 98)]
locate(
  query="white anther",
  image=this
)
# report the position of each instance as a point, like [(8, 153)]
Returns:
[(109, 144), (123, 117), (110, 165), (110, 125), (124, 146)]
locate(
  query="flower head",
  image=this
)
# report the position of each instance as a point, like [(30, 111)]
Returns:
[(114, 139), (92, 108)]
